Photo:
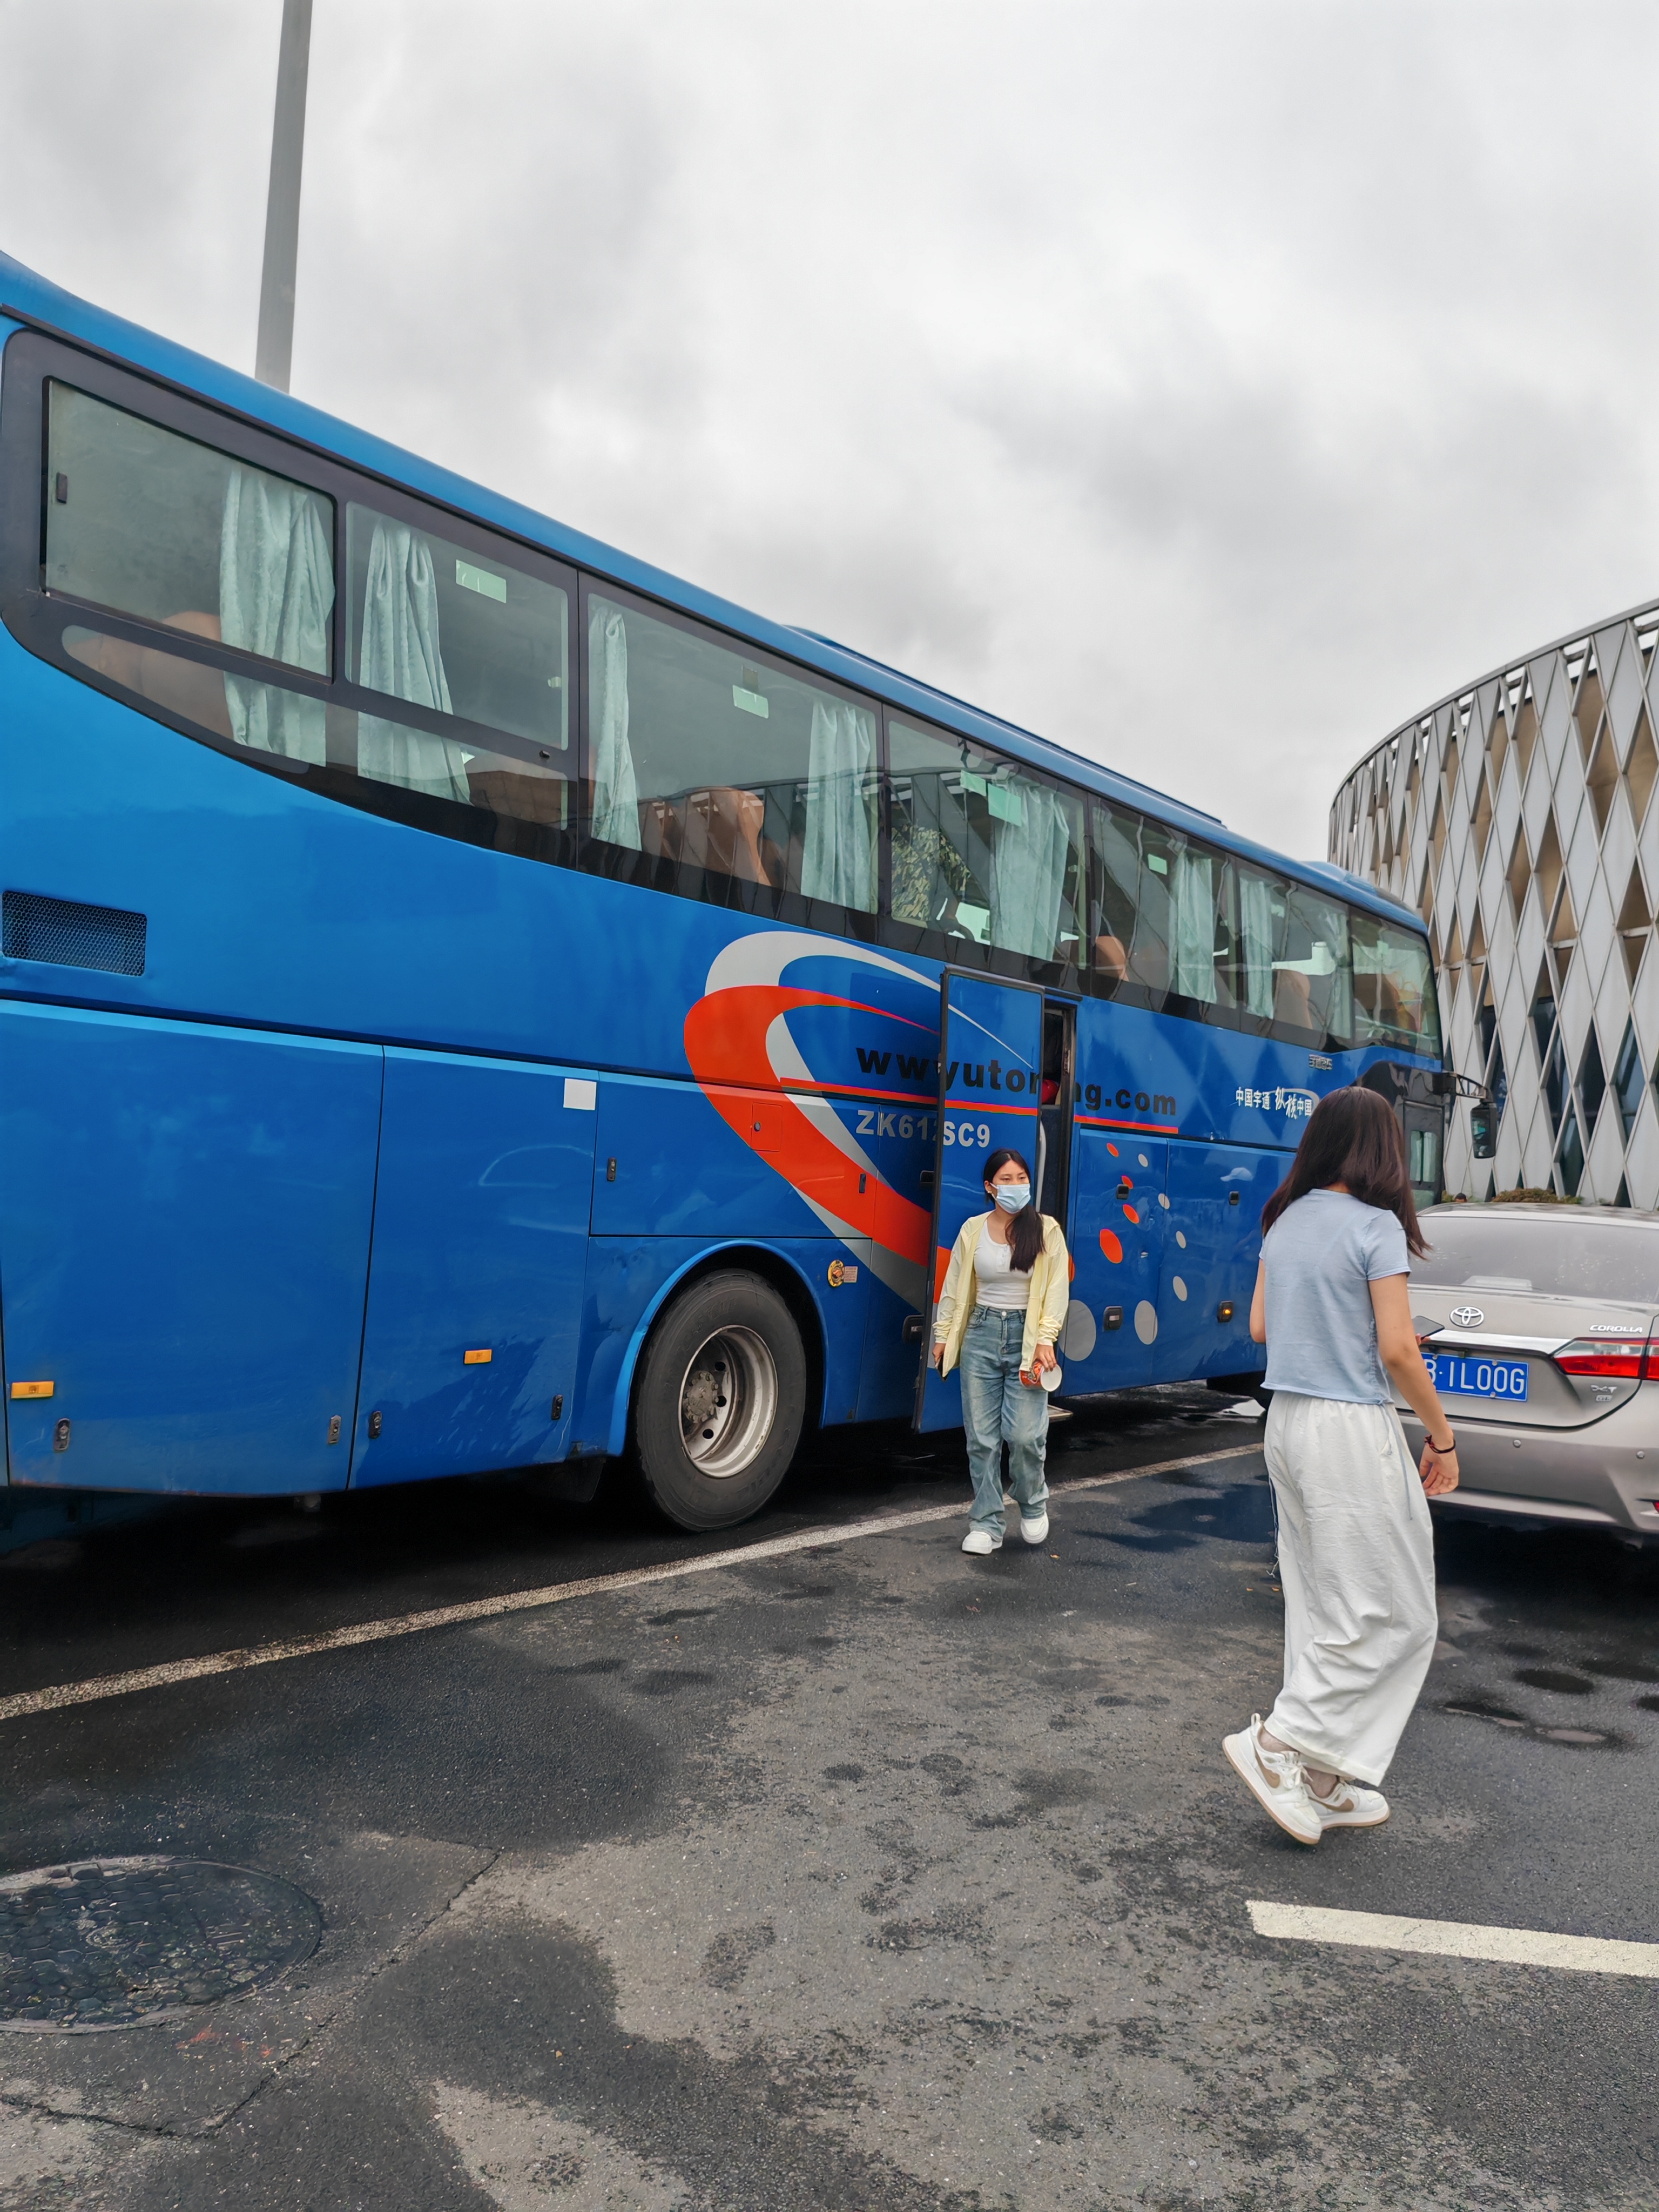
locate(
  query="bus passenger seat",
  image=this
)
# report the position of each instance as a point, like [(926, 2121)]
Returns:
[(518, 792), (1293, 999), (1111, 958), (723, 833), (186, 687), (660, 836)]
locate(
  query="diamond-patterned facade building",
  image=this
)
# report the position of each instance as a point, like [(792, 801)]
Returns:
[(1519, 817)]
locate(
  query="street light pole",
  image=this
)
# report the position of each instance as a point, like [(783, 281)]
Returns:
[(274, 353)]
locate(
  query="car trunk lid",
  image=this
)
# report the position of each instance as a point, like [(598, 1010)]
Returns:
[(1582, 1357)]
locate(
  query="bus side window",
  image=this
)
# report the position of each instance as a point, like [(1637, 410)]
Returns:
[(1313, 977), (1261, 903), (1186, 897), (718, 775), (1115, 892), (168, 531), (1393, 986), (464, 632), (983, 854)]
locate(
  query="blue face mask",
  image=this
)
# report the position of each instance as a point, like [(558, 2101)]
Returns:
[(1012, 1196)]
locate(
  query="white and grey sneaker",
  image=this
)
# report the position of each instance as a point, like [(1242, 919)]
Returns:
[(981, 1543), (1034, 1527), (1351, 1805), (1276, 1779)]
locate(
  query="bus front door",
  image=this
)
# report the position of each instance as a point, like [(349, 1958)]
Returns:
[(1425, 1129), (990, 1059), (481, 1225)]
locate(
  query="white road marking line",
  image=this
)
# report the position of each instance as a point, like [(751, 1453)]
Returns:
[(489, 1609), (1455, 1939)]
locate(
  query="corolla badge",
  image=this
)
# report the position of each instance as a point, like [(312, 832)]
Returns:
[(1467, 1316)]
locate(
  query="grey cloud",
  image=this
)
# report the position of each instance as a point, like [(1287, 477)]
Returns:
[(1206, 385)]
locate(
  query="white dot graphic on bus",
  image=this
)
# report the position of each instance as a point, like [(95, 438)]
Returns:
[(1078, 1333), (1179, 1288), (1146, 1321), (1181, 1240)]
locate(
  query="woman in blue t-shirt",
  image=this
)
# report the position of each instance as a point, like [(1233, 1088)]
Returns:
[(1355, 1551)]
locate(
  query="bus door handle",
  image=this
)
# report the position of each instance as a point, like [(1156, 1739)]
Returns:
[(1113, 1317), (912, 1331)]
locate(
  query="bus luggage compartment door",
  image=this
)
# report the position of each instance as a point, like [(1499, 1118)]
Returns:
[(1211, 1243), (481, 1223), (184, 1240), (990, 1052), (1119, 1220)]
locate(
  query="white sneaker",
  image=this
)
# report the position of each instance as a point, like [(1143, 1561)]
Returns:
[(1277, 1781), (1034, 1527), (1351, 1805), (981, 1543)]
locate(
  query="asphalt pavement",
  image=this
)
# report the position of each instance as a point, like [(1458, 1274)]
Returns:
[(853, 1874)]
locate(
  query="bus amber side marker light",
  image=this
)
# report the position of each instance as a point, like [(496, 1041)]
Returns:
[(1224, 1311), (32, 1389), (476, 1358)]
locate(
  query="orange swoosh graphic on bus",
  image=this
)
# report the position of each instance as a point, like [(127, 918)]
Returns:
[(726, 1043)]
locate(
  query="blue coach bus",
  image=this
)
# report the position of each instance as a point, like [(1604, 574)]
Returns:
[(470, 1001)]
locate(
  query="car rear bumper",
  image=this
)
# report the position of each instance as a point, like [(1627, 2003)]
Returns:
[(1605, 1473)]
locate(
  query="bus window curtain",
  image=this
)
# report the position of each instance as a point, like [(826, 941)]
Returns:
[(839, 860), (1028, 870), (400, 655), (1191, 946), (616, 794), (1256, 923), (276, 593)]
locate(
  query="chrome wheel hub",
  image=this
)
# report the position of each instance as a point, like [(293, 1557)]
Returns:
[(728, 1401)]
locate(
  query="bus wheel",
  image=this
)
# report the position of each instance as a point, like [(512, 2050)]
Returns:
[(721, 1401)]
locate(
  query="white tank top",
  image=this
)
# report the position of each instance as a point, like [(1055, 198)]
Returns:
[(995, 1282)]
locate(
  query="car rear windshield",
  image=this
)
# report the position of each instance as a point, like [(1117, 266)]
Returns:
[(1565, 1257)]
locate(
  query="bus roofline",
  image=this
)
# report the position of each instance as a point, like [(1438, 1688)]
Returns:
[(617, 1438), (29, 301)]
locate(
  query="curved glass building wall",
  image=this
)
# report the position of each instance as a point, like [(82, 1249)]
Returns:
[(1519, 817)]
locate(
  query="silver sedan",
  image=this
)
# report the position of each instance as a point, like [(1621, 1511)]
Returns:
[(1541, 1326)]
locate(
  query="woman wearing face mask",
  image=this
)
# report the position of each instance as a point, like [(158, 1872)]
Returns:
[(1002, 1309)]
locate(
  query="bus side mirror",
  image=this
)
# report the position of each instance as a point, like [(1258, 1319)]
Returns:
[(1483, 1132)]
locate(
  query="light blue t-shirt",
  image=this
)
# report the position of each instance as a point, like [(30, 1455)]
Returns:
[(1323, 1253)]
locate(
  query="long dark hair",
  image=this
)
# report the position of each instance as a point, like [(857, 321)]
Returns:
[(1025, 1227), (1352, 1138)]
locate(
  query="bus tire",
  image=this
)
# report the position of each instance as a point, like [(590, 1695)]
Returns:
[(720, 1402)]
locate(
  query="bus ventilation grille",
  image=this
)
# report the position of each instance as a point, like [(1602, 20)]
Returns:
[(70, 935)]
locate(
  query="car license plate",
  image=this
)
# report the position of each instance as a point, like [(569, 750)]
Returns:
[(1460, 1377)]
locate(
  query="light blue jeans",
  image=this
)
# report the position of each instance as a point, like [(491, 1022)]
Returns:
[(996, 1404)]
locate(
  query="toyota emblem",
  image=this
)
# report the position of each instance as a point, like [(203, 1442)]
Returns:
[(1467, 1316)]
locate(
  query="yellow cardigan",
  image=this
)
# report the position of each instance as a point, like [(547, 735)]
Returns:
[(1045, 1316)]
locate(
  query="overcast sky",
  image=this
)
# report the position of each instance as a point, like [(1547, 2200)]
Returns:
[(1208, 386)]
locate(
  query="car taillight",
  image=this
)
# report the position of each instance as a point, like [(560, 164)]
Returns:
[(1625, 1357)]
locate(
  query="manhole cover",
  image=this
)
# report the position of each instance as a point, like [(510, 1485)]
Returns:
[(104, 1943)]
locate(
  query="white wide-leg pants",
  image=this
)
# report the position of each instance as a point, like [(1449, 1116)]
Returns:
[(1356, 1557)]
